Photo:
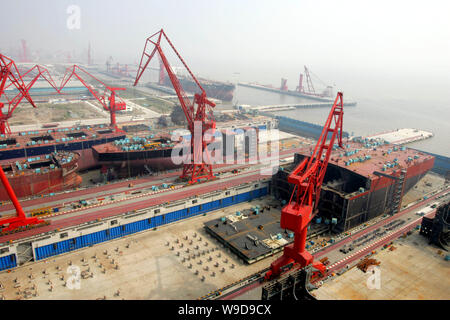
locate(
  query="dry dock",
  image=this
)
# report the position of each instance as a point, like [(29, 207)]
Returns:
[(141, 266)]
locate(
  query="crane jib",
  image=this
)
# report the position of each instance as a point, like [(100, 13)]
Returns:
[(197, 110), (307, 178)]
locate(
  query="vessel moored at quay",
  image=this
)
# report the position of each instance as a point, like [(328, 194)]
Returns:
[(44, 174), (79, 139)]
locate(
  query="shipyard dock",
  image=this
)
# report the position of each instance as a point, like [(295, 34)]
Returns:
[(152, 235), (346, 251), (291, 106), (326, 101), (129, 210)]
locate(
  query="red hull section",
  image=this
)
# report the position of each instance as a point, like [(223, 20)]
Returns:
[(28, 182), (417, 169), (87, 159), (40, 184)]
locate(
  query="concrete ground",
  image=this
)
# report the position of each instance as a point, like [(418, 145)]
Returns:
[(414, 270), (140, 266), (48, 112), (427, 184)]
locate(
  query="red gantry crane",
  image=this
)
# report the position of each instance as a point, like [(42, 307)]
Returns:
[(20, 220), (115, 102), (9, 71), (199, 119), (307, 178)]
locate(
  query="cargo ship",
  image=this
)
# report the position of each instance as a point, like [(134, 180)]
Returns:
[(44, 174), (140, 154), (214, 89), (136, 154), (78, 139), (366, 179)]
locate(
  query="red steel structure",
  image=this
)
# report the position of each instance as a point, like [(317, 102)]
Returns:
[(161, 72), (20, 220), (307, 178), (9, 71), (197, 168), (39, 71), (115, 102)]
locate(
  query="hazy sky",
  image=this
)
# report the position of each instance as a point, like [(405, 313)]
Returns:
[(358, 45)]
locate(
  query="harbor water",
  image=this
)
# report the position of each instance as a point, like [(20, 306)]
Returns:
[(370, 116)]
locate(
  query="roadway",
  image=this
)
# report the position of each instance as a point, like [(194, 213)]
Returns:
[(132, 202), (383, 232), (120, 187), (109, 210)]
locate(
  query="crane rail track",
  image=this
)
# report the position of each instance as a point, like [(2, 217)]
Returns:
[(233, 287)]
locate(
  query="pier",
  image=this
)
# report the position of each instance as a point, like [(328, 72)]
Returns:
[(295, 94), (292, 106), (403, 136)]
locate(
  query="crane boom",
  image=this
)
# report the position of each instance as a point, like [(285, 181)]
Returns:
[(112, 106), (307, 178), (39, 71), (197, 168), (9, 71), (20, 220)]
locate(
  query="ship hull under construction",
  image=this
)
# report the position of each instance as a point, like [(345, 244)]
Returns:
[(74, 139), (360, 191), (133, 162), (46, 180), (131, 158), (380, 197)]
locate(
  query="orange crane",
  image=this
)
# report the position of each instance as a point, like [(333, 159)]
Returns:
[(307, 178)]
